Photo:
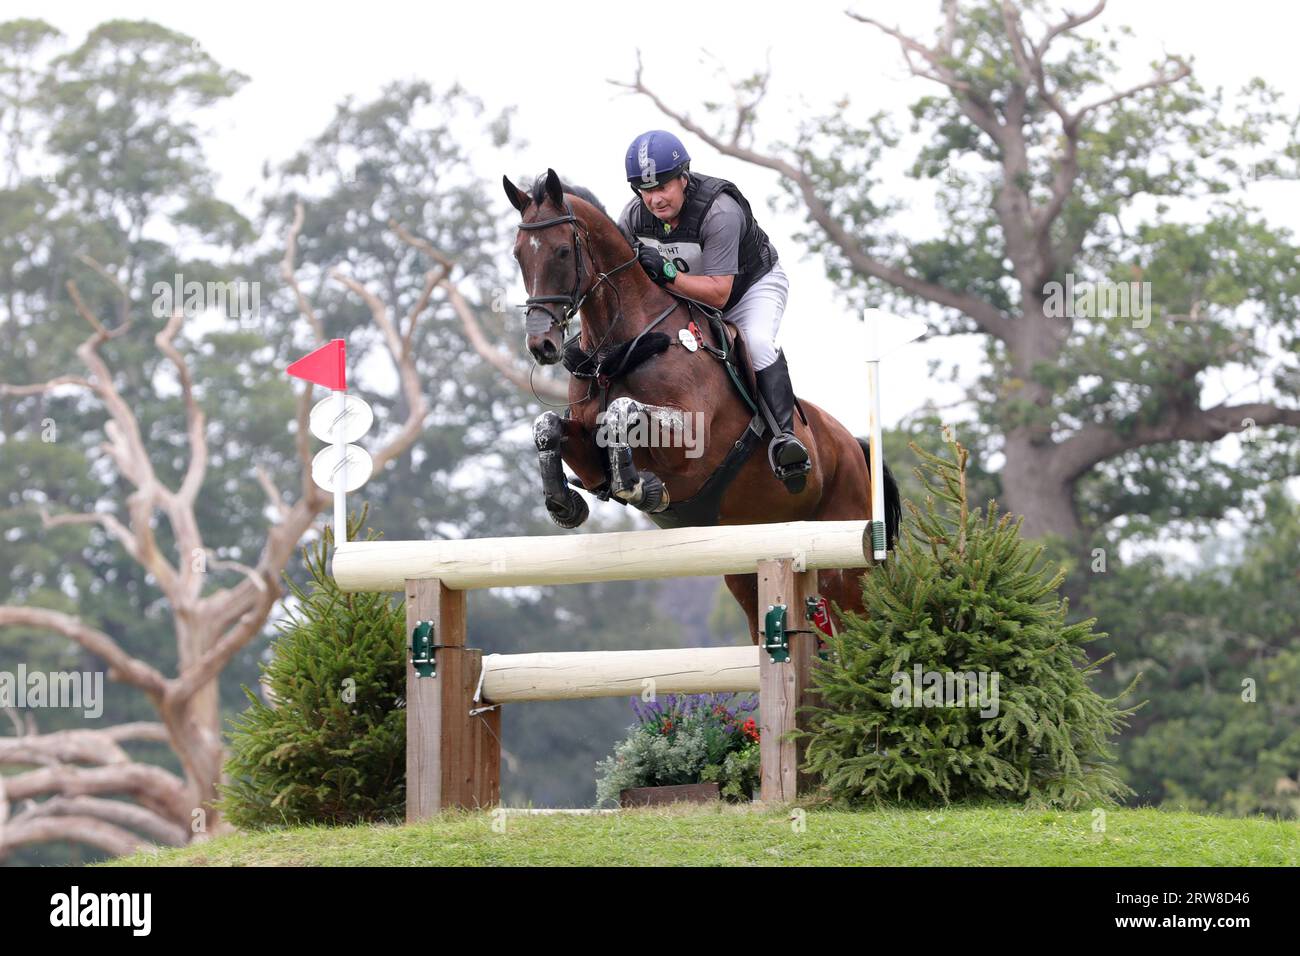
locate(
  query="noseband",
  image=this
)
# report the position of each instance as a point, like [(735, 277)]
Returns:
[(572, 302)]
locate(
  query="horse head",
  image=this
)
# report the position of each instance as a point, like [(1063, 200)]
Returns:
[(553, 250)]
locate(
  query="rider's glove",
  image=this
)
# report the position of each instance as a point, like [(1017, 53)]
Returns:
[(661, 270)]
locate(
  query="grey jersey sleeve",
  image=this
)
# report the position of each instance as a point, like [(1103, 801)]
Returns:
[(625, 223), (720, 235)]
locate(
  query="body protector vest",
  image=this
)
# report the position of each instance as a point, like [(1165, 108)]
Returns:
[(682, 246)]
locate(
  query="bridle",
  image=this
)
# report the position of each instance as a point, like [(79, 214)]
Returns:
[(573, 301)]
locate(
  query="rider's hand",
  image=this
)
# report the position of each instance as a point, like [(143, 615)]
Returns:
[(656, 266)]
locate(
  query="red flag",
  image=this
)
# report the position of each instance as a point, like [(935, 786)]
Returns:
[(326, 366)]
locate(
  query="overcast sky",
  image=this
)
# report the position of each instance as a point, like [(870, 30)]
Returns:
[(303, 58)]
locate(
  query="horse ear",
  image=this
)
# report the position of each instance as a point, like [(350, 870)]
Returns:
[(554, 188), (518, 198)]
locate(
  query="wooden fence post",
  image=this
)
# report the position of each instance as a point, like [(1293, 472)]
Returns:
[(453, 759)]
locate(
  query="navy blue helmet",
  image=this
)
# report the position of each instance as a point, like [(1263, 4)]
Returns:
[(654, 158)]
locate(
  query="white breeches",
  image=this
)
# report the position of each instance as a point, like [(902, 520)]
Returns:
[(759, 313)]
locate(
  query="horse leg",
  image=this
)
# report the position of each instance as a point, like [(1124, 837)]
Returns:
[(744, 588), (845, 589), (641, 489), (555, 440), (846, 496)]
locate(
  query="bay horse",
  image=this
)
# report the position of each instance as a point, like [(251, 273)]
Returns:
[(659, 363)]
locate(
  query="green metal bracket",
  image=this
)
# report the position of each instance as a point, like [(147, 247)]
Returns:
[(422, 648), (776, 640), (776, 636)]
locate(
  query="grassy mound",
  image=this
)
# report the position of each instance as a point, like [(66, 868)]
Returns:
[(743, 836)]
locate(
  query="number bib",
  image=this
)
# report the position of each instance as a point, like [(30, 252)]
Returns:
[(685, 256)]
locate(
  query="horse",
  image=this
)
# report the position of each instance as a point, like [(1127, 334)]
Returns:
[(661, 362)]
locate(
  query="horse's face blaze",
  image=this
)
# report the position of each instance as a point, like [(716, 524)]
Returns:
[(545, 258)]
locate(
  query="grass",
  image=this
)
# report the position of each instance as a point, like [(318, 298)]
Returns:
[(741, 836)]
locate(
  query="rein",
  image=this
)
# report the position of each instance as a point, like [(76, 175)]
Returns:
[(572, 302)]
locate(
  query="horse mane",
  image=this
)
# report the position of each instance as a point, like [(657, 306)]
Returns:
[(539, 195)]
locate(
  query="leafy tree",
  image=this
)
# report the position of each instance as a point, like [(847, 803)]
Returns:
[(1218, 647), (1046, 175)]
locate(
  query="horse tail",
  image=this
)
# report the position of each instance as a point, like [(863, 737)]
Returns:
[(893, 504)]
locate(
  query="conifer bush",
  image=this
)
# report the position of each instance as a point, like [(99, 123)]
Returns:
[(331, 746), (962, 594)]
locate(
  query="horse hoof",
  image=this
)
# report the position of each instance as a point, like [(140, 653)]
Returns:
[(655, 498), (572, 514)]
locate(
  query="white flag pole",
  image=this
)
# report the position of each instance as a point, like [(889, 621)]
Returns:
[(884, 333), (341, 472), (875, 438)]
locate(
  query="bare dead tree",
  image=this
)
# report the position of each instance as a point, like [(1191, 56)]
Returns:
[(62, 791), (499, 357)]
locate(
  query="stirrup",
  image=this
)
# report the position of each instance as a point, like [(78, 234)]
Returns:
[(795, 464)]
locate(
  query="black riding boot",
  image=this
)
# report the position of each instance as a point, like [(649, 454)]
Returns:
[(786, 454)]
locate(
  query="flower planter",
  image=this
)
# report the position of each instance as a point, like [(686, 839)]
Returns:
[(659, 796)]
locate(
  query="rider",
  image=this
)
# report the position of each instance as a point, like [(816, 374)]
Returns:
[(696, 233)]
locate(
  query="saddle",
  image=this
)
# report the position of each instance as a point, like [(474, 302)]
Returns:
[(737, 349)]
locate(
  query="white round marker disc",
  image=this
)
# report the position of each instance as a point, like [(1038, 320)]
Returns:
[(357, 418), (326, 462), (688, 340)]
